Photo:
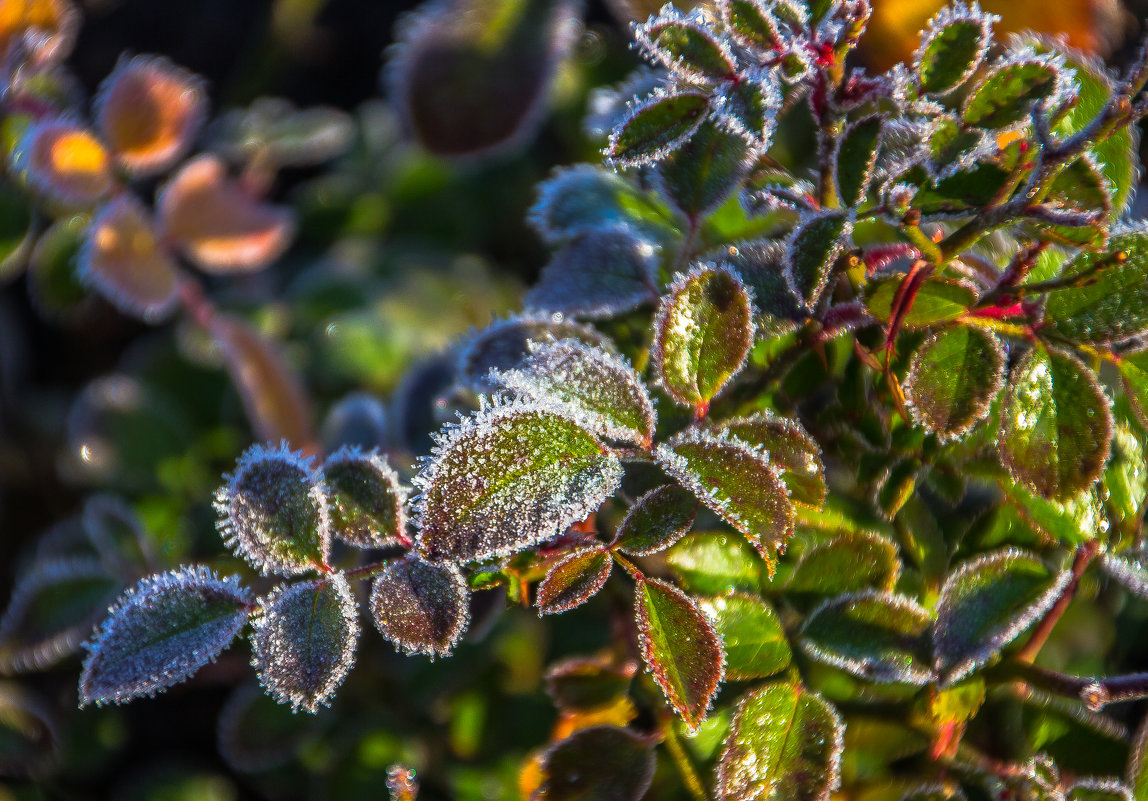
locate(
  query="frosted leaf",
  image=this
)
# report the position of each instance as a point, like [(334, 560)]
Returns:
[(585, 199), (602, 763), (65, 163), (303, 641), (54, 605), (216, 224), (274, 129), (367, 502), (704, 172), (509, 477), (680, 647), (753, 25), (760, 265), (784, 744), (273, 511), (1004, 96), (598, 389), (702, 334), (597, 274), (150, 112), (811, 253), (850, 561), (574, 579), (123, 259), (682, 43), (656, 521), (161, 632), (749, 110), (420, 607), (1097, 789), (738, 483), (791, 451), (656, 127), (1130, 569), (856, 158), (954, 147), (987, 603), (952, 47), (953, 379), (503, 345)]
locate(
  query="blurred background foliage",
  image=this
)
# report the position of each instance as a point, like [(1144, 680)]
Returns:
[(399, 253)]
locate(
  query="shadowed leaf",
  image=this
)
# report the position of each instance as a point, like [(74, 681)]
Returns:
[(588, 682), (849, 562), (257, 733), (1098, 790), (574, 580), (421, 607), (953, 379), (585, 199), (274, 129), (657, 127), (368, 504), (856, 158), (656, 521), (29, 737), (791, 450), (601, 763), (811, 252), (752, 636), (597, 274), (702, 174)]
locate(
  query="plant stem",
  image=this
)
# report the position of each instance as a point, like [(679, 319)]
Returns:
[(682, 761), (366, 571), (1085, 553), (1095, 693)]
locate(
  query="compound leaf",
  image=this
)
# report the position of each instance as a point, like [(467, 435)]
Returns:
[(367, 502), (754, 641), (953, 379), (656, 521), (599, 763), (574, 580), (421, 607)]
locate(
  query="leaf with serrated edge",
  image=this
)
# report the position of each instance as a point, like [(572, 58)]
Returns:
[(682, 44), (953, 45), (1056, 424), (303, 641), (784, 744), (421, 607), (953, 379), (273, 511), (702, 334), (738, 483), (680, 648), (755, 644), (161, 632), (878, 636), (510, 476), (574, 580), (656, 521), (367, 502), (791, 450), (656, 127), (856, 157), (987, 603), (811, 252), (599, 763), (752, 24), (598, 389)]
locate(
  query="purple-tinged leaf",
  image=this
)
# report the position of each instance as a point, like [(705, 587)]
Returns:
[(303, 641), (850, 562), (597, 274), (64, 163), (656, 521), (273, 511), (161, 632), (1056, 424), (857, 157), (367, 502), (599, 763), (580, 683), (680, 647), (574, 580), (421, 607), (953, 379), (598, 389), (952, 47), (54, 605), (812, 251), (656, 127), (877, 636), (509, 477), (791, 450), (784, 744), (738, 483), (1005, 95), (987, 603), (587, 199), (257, 733), (471, 77), (702, 335), (682, 44), (715, 563), (754, 641), (704, 172)]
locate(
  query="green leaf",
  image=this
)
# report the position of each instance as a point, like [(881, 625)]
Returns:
[(582, 683), (878, 636), (755, 643), (856, 157), (656, 521), (574, 579), (953, 379), (1136, 775), (684, 47), (848, 562), (597, 274), (702, 335), (811, 252), (1098, 790), (791, 450), (1072, 520), (751, 24), (656, 128), (421, 607), (161, 632), (952, 47), (749, 110), (509, 477), (303, 641), (587, 199), (1006, 93), (680, 648), (738, 483), (938, 300), (16, 238), (701, 174), (1126, 478), (595, 387), (1134, 372), (785, 744), (987, 603), (599, 763), (1056, 424), (713, 563), (55, 285), (1110, 299), (368, 505)]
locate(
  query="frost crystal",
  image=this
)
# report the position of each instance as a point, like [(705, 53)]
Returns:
[(511, 476), (420, 607), (368, 504), (303, 641), (956, 14), (161, 632), (273, 511)]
